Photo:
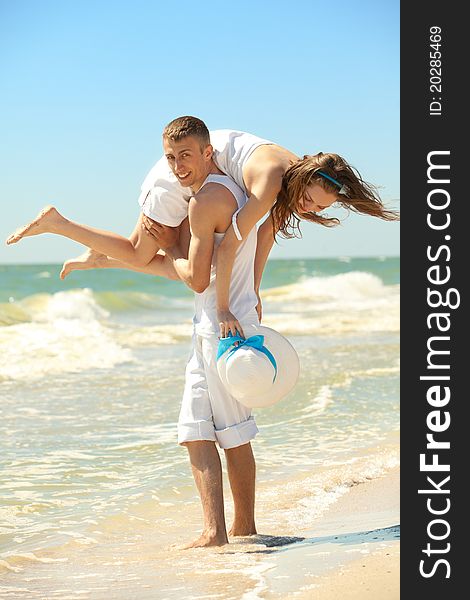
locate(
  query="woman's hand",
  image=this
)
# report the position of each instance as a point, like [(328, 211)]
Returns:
[(259, 307), (228, 324), (167, 237)]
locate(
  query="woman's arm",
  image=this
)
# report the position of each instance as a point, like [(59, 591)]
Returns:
[(264, 189), (264, 244)]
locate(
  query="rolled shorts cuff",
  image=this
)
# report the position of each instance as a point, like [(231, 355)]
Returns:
[(197, 431), (237, 435)]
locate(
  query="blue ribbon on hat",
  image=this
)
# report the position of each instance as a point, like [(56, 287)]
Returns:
[(255, 341)]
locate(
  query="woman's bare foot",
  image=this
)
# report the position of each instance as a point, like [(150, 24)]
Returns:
[(46, 222), (88, 260), (204, 541)]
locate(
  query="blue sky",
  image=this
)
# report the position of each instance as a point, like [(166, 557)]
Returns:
[(88, 87)]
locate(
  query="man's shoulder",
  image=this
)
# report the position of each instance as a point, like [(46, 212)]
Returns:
[(211, 208), (213, 194)]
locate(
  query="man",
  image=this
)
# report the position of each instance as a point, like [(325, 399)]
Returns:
[(208, 413)]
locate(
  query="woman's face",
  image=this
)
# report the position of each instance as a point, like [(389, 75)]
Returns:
[(315, 199)]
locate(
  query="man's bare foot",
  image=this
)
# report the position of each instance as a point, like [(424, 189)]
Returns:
[(43, 223), (237, 530), (88, 260), (204, 541)]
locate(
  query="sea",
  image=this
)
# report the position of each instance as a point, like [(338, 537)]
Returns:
[(94, 489)]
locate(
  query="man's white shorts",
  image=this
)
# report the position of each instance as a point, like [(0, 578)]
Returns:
[(208, 411)]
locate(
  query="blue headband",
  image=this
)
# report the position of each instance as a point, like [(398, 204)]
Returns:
[(343, 188)]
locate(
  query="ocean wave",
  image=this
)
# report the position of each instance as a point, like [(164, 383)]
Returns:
[(155, 335), (80, 329), (350, 302), (84, 303), (15, 561), (79, 305), (334, 323), (346, 288), (298, 503), (355, 291), (121, 301), (57, 333), (11, 313)]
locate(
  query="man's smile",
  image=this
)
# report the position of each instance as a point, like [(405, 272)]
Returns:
[(183, 176)]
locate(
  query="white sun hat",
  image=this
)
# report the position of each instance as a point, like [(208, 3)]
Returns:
[(260, 370)]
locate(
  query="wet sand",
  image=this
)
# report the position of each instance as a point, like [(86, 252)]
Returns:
[(354, 553)]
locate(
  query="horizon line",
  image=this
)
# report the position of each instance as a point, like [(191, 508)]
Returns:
[(335, 257)]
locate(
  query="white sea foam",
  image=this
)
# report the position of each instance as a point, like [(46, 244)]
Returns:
[(345, 288), (63, 332), (154, 335), (350, 302), (300, 502), (79, 303), (320, 402)]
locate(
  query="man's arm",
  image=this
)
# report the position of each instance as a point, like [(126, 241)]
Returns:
[(195, 270)]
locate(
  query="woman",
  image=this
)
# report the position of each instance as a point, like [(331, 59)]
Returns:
[(276, 181)]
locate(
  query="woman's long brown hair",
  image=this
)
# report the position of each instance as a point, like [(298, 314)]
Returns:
[(362, 197)]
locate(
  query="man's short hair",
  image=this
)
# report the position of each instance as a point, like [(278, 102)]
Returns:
[(183, 127)]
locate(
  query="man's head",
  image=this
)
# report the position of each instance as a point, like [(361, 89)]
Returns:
[(186, 143)]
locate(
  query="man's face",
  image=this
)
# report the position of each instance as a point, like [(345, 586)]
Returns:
[(188, 162)]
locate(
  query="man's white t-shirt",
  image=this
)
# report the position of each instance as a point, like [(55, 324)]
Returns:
[(165, 200)]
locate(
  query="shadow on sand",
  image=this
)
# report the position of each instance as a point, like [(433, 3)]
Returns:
[(274, 543)]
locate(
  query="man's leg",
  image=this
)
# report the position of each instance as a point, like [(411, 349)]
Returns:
[(207, 472), (242, 474)]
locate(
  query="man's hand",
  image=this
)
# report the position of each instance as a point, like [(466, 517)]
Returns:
[(167, 237), (228, 324)]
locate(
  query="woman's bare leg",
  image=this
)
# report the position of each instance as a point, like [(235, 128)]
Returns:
[(160, 266), (134, 252), (91, 259)]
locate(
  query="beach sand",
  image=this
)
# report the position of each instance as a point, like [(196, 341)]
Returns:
[(374, 577), (354, 553)]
